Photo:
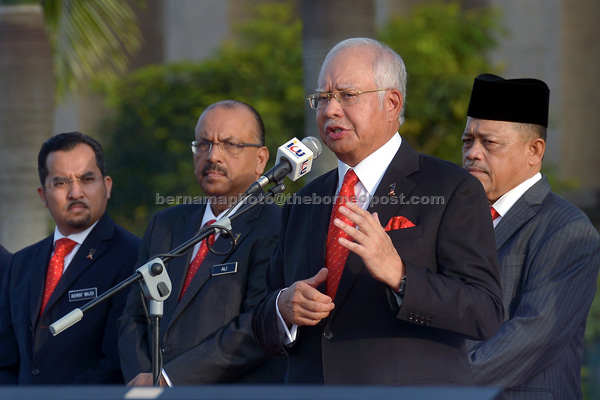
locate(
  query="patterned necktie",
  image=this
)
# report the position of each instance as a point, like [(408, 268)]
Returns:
[(202, 252), (494, 213), (55, 269), (336, 253)]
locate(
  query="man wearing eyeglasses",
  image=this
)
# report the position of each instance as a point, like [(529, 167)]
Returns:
[(206, 332), (392, 302), (85, 256)]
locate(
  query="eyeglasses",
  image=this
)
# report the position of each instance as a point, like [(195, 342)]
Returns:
[(65, 183), (231, 148), (344, 97)]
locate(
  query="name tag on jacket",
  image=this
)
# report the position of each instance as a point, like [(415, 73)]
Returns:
[(83, 294), (222, 269)]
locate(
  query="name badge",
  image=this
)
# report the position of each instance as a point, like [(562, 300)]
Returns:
[(83, 294), (222, 269)]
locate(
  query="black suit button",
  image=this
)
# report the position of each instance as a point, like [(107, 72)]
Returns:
[(166, 350), (35, 371), (328, 335), (422, 320), (411, 316), (427, 321)]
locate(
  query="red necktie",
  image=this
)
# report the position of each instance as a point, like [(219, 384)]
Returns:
[(494, 213), (55, 269), (336, 253), (202, 252)]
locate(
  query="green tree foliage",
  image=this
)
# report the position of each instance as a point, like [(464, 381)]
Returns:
[(91, 40), (157, 107), (444, 47)]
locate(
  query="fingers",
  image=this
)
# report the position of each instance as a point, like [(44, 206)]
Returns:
[(365, 221), (372, 244), (302, 304), (142, 379), (318, 279)]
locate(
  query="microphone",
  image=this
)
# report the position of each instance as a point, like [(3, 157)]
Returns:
[(294, 159)]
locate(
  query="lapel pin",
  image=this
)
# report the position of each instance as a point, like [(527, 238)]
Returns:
[(91, 255), (237, 236), (392, 190)]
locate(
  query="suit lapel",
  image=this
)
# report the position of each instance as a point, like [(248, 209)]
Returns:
[(93, 244), (38, 278), (320, 216), (177, 268), (521, 212), (404, 163), (240, 230)]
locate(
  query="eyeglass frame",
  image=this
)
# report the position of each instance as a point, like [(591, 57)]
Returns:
[(240, 146), (314, 97), (69, 182)]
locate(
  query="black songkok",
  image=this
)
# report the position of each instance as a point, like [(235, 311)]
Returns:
[(513, 100)]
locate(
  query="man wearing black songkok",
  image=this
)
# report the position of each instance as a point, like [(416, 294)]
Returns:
[(548, 250)]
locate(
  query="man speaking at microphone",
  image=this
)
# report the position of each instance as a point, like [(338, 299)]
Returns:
[(392, 302), (206, 333)]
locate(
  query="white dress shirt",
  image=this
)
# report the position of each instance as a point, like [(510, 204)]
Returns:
[(77, 238), (370, 171), (208, 215), (508, 199)]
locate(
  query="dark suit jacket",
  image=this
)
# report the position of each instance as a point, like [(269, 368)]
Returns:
[(5, 258), (207, 336), (452, 289), (87, 351), (549, 255)]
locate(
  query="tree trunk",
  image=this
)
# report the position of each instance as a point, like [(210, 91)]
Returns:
[(26, 120), (325, 23)]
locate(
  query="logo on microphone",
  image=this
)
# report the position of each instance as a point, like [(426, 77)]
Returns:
[(304, 167), (294, 148)]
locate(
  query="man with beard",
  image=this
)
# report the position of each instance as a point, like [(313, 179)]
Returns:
[(548, 250), (85, 256), (206, 331)]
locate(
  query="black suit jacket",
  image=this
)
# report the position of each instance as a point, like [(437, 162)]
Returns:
[(207, 336), (452, 289), (5, 258), (87, 351), (549, 255)]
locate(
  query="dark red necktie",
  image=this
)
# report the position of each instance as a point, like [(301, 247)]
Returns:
[(336, 253), (55, 269), (195, 264), (494, 213)]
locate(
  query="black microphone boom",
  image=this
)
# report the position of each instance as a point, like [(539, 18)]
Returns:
[(275, 174)]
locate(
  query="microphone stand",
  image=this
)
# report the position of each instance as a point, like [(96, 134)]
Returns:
[(155, 281)]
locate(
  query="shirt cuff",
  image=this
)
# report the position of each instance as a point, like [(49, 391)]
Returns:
[(288, 336), (164, 374), (399, 294)]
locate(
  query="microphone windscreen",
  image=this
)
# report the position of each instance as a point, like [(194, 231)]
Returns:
[(313, 145)]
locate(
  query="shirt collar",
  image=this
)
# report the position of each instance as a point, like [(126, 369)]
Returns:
[(370, 171), (208, 213), (78, 237), (508, 199)]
